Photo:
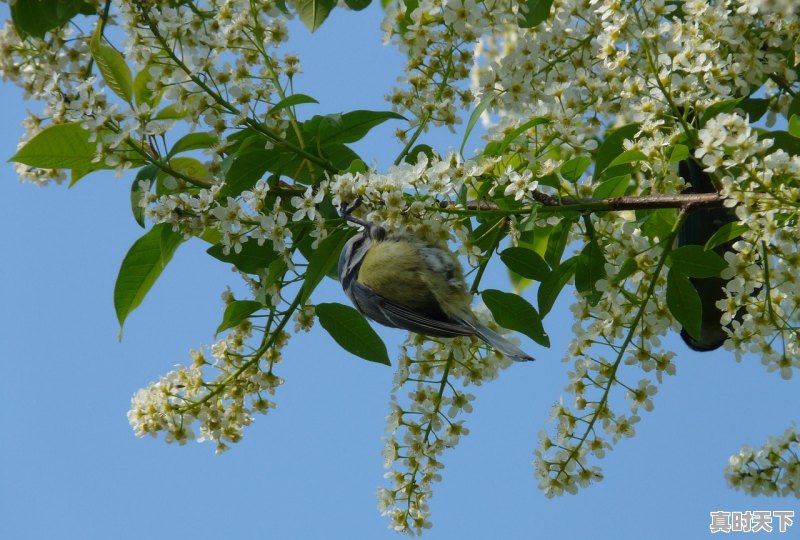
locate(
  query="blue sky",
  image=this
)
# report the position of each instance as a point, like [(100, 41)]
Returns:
[(70, 467)]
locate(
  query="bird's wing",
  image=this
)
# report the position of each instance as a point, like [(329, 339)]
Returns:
[(389, 313)]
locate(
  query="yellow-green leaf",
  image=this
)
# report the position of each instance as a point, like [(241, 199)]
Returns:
[(113, 68), (62, 146)]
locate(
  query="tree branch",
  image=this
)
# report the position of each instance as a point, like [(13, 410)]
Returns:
[(550, 204)]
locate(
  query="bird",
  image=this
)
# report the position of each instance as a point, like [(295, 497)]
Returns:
[(401, 281)]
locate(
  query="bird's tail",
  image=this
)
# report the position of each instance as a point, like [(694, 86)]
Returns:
[(501, 344)]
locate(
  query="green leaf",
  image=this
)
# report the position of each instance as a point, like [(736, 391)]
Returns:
[(629, 266), (474, 117), (193, 141), (413, 154), (142, 265), (755, 107), (657, 223), (357, 166), (591, 267), (525, 262), (141, 93), (557, 241), (519, 283), (323, 259), (497, 148), (113, 68), (352, 332), (628, 156), (515, 313), (534, 12), (75, 175), (339, 155), (188, 166), (612, 146), (246, 169), (724, 106), (277, 269), (684, 303), (37, 17), (62, 146), (695, 261), (794, 106), (291, 101), (551, 287), (236, 312), (784, 141), (794, 126), (313, 12), (486, 234), (678, 152), (726, 233), (347, 127), (357, 5), (573, 169), (138, 194), (613, 187), (253, 259), (170, 112)]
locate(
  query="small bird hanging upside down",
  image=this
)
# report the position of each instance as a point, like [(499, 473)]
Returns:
[(401, 281)]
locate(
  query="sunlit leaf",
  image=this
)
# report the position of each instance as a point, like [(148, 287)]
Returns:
[(112, 66), (62, 146)]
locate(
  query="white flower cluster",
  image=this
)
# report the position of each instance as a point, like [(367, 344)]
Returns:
[(430, 191), (439, 37), (773, 469), (178, 61), (607, 61), (183, 397), (238, 219), (186, 404), (423, 424), (763, 291), (622, 328)]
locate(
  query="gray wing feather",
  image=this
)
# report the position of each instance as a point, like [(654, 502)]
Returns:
[(389, 313)]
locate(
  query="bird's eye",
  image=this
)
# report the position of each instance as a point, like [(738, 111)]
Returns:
[(376, 232)]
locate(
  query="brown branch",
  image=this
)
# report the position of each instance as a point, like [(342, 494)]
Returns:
[(550, 204)]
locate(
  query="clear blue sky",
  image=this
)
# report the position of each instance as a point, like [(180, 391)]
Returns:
[(70, 467)]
